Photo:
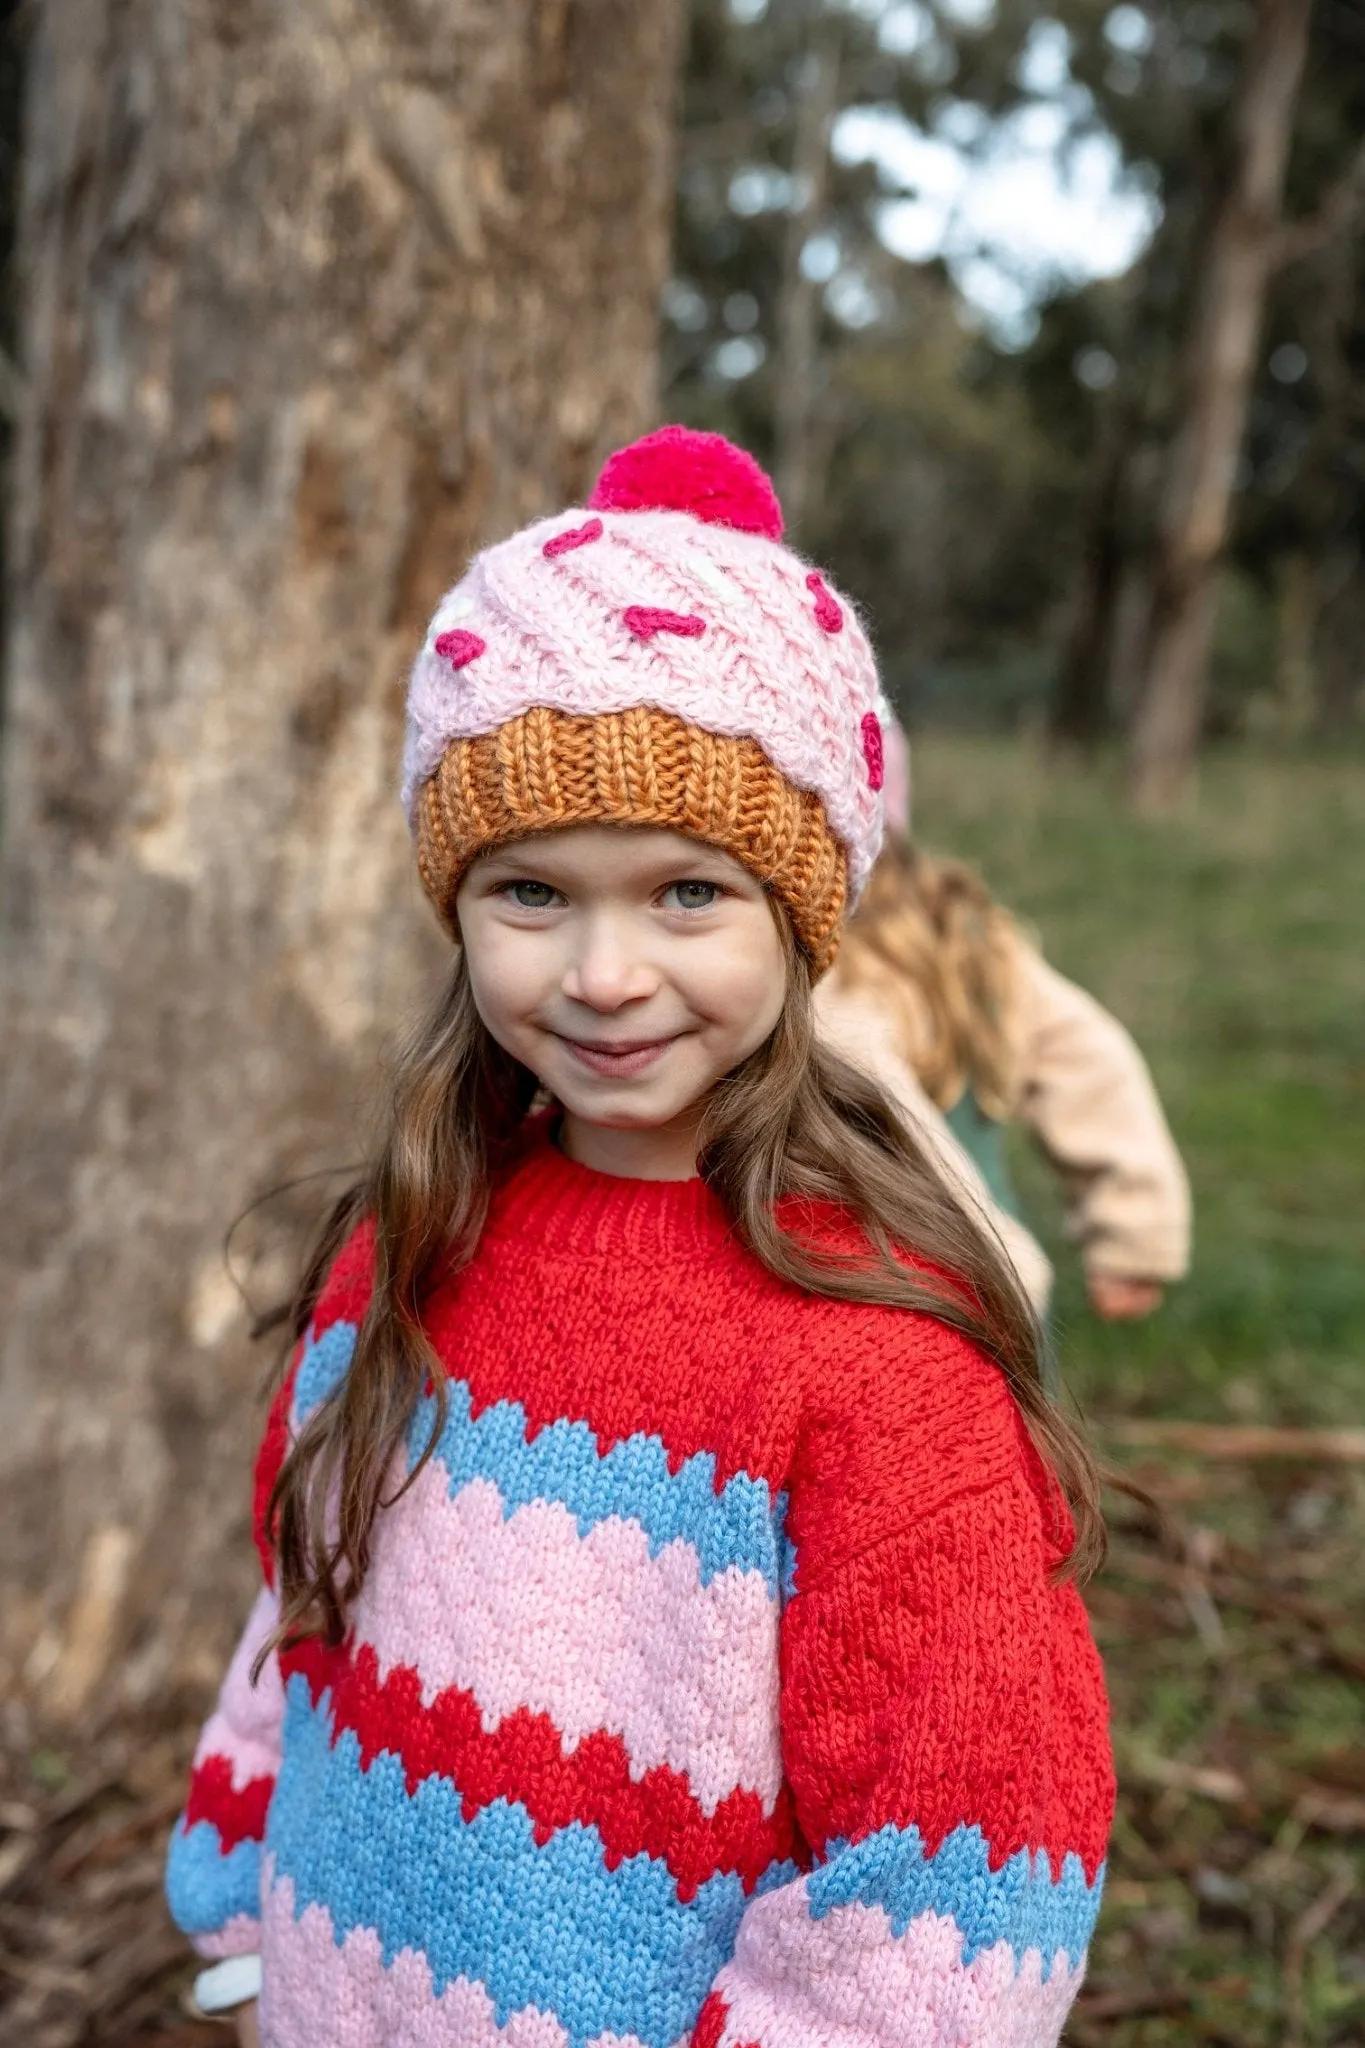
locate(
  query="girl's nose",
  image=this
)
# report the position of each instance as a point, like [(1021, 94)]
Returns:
[(607, 970)]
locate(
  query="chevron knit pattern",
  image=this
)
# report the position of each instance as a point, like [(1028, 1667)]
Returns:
[(708, 632), (708, 1683)]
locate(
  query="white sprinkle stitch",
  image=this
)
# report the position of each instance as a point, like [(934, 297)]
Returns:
[(717, 582)]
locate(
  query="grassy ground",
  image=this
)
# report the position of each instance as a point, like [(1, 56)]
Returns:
[(1230, 941)]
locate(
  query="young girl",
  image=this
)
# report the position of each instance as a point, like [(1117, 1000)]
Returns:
[(937, 977), (669, 1630)]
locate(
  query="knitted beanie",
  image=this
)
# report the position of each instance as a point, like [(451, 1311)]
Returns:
[(655, 657)]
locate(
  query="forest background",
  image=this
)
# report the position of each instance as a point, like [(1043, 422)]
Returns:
[(1050, 322)]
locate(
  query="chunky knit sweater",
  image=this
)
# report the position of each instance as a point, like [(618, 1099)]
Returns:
[(707, 1682)]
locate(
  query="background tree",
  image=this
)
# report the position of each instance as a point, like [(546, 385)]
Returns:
[(986, 441), (315, 299)]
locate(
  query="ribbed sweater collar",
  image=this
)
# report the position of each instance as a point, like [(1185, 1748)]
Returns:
[(546, 1200)]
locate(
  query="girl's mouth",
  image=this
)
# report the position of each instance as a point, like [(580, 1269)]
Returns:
[(618, 1061)]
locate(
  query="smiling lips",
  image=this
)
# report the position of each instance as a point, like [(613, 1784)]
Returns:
[(619, 1061)]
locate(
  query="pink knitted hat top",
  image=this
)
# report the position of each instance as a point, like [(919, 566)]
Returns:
[(656, 656)]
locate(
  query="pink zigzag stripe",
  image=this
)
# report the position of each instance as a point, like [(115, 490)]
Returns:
[(846, 1982), (316, 1990), (593, 1632), (239, 1936), (244, 1727)]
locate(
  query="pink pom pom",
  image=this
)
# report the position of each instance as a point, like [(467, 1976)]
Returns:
[(676, 469)]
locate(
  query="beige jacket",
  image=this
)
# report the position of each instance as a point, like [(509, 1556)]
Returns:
[(1084, 1093), (865, 1033)]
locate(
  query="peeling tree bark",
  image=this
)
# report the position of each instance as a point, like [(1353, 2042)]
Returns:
[(320, 294), (1220, 364)]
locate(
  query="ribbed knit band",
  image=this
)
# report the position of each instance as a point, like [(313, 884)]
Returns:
[(642, 766)]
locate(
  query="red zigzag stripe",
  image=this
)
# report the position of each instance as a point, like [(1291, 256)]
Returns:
[(238, 1815), (524, 1760)]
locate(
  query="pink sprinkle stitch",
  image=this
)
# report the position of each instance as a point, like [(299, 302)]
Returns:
[(827, 612), (645, 620), (458, 647), (873, 752), (574, 537)]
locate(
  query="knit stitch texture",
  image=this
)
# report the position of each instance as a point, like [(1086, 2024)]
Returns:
[(708, 1680)]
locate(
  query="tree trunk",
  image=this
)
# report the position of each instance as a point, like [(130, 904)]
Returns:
[(797, 369), (320, 294), (1193, 521)]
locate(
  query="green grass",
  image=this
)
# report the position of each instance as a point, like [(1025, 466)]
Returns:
[(1229, 939)]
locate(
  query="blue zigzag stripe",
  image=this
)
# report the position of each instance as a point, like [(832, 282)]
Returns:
[(550, 1926), (1020, 1903), (205, 1888), (736, 1526)]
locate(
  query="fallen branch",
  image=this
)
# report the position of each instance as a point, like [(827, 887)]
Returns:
[(1206, 1780), (1243, 1440)]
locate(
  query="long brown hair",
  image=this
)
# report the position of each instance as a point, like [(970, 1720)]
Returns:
[(944, 955), (793, 1124)]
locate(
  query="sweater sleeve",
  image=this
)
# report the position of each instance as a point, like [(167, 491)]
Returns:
[(1088, 1098), (213, 1867), (945, 1737)]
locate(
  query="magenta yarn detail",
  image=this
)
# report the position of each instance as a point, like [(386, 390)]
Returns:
[(827, 612), (679, 469), (645, 620), (872, 750), (458, 647), (574, 537)]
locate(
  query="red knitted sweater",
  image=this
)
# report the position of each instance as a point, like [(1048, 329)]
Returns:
[(709, 1677)]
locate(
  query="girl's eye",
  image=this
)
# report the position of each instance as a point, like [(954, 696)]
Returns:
[(693, 895), (531, 895)]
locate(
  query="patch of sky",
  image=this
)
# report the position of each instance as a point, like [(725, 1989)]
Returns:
[(760, 188), (683, 306), (738, 357), (1045, 61), (1288, 363), (820, 258), (905, 28), (853, 300), (1018, 208), (1095, 368), (1130, 30), (740, 312), (746, 11)]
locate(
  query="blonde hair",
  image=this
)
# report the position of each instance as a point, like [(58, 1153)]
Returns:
[(792, 1123), (952, 955)]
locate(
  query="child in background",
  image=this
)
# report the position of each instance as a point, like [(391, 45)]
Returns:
[(670, 1628), (935, 974)]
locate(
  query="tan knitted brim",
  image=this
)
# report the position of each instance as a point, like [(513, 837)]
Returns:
[(544, 770)]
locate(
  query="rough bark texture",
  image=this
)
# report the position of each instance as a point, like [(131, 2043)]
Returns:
[(1219, 367), (320, 294)]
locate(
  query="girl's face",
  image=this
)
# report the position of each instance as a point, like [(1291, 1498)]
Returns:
[(629, 968)]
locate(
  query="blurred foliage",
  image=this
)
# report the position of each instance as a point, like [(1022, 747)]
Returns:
[(959, 457)]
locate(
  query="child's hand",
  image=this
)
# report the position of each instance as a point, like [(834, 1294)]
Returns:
[(248, 2031), (1123, 1301)]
